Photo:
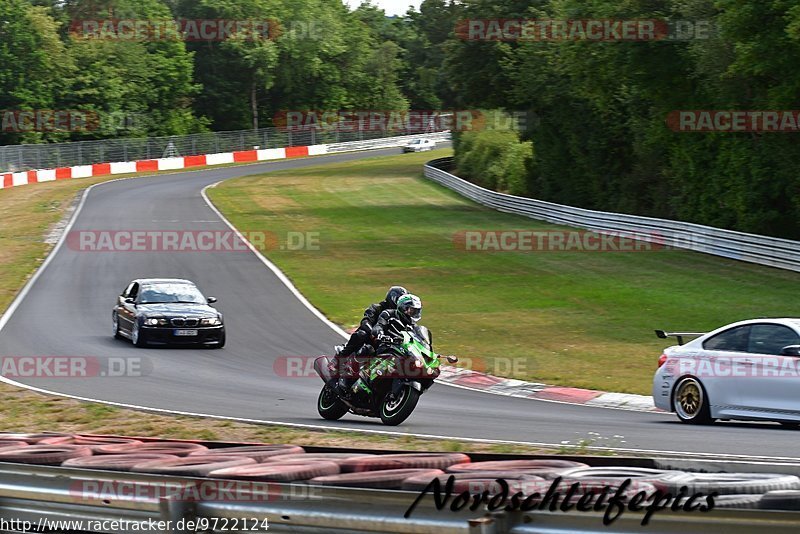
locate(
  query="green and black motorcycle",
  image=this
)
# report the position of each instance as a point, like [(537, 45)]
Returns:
[(388, 383)]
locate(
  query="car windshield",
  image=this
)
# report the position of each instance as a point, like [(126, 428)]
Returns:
[(171, 293), (416, 141)]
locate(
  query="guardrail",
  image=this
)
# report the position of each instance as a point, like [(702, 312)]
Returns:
[(763, 250)]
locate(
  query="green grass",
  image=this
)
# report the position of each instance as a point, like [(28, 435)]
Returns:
[(572, 318)]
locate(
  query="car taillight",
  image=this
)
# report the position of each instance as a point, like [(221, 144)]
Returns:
[(662, 360)]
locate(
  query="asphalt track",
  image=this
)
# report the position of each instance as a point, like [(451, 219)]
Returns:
[(66, 312)]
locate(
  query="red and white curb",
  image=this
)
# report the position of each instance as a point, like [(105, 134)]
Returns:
[(511, 387), (17, 179)]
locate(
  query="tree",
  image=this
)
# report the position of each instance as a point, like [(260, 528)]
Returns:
[(32, 65)]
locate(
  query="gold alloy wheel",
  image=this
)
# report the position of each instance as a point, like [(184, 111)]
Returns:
[(689, 399)]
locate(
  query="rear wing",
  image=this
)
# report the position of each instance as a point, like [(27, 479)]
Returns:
[(680, 335)]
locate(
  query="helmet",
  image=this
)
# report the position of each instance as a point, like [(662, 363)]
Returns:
[(395, 292), (409, 307)]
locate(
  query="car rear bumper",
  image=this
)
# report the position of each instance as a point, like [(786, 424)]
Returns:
[(663, 382), (208, 335)]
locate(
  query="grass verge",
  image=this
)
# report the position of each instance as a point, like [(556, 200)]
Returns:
[(25, 411), (581, 319)]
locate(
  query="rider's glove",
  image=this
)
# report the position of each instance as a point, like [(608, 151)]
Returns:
[(385, 340)]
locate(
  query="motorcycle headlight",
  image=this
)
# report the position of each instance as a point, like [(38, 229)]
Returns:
[(210, 321)]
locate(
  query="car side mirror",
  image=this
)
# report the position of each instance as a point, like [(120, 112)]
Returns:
[(791, 350), (211, 300), (130, 300)]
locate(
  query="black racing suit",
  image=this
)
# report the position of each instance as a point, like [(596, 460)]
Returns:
[(391, 323), (358, 339), (363, 334)]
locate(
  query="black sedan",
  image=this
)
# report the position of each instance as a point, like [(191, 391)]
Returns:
[(167, 311)]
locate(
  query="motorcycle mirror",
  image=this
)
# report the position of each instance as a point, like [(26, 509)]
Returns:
[(452, 359)]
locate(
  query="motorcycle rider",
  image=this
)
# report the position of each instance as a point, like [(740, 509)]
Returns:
[(363, 333), (391, 323)]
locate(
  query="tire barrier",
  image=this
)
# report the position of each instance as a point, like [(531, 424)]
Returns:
[(336, 457), (12, 444), (383, 462), (476, 482), (115, 462), (93, 442), (44, 454), (383, 479), (272, 472), (730, 483), (542, 468), (258, 453), (32, 439), (641, 474), (742, 502), (176, 448), (780, 500), (193, 466)]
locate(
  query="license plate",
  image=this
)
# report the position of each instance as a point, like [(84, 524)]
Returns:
[(185, 332)]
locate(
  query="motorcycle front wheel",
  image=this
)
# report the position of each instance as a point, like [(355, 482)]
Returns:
[(329, 406), (396, 410)]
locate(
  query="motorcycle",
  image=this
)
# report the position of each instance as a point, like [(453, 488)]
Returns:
[(389, 383)]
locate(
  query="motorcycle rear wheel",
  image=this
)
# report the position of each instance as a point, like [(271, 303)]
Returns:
[(329, 406), (395, 411)]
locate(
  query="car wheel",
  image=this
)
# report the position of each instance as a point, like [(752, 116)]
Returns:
[(690, 402), (137, 337), (115, 325)]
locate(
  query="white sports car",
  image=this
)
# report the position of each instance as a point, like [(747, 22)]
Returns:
[(748, 370), (419, 145)]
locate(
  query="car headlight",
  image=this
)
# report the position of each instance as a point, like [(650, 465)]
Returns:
[(153, 321), (210, 321)]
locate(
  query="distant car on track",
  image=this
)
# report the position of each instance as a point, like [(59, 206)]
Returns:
[(749, 370), (419, 145), (167, 311)]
